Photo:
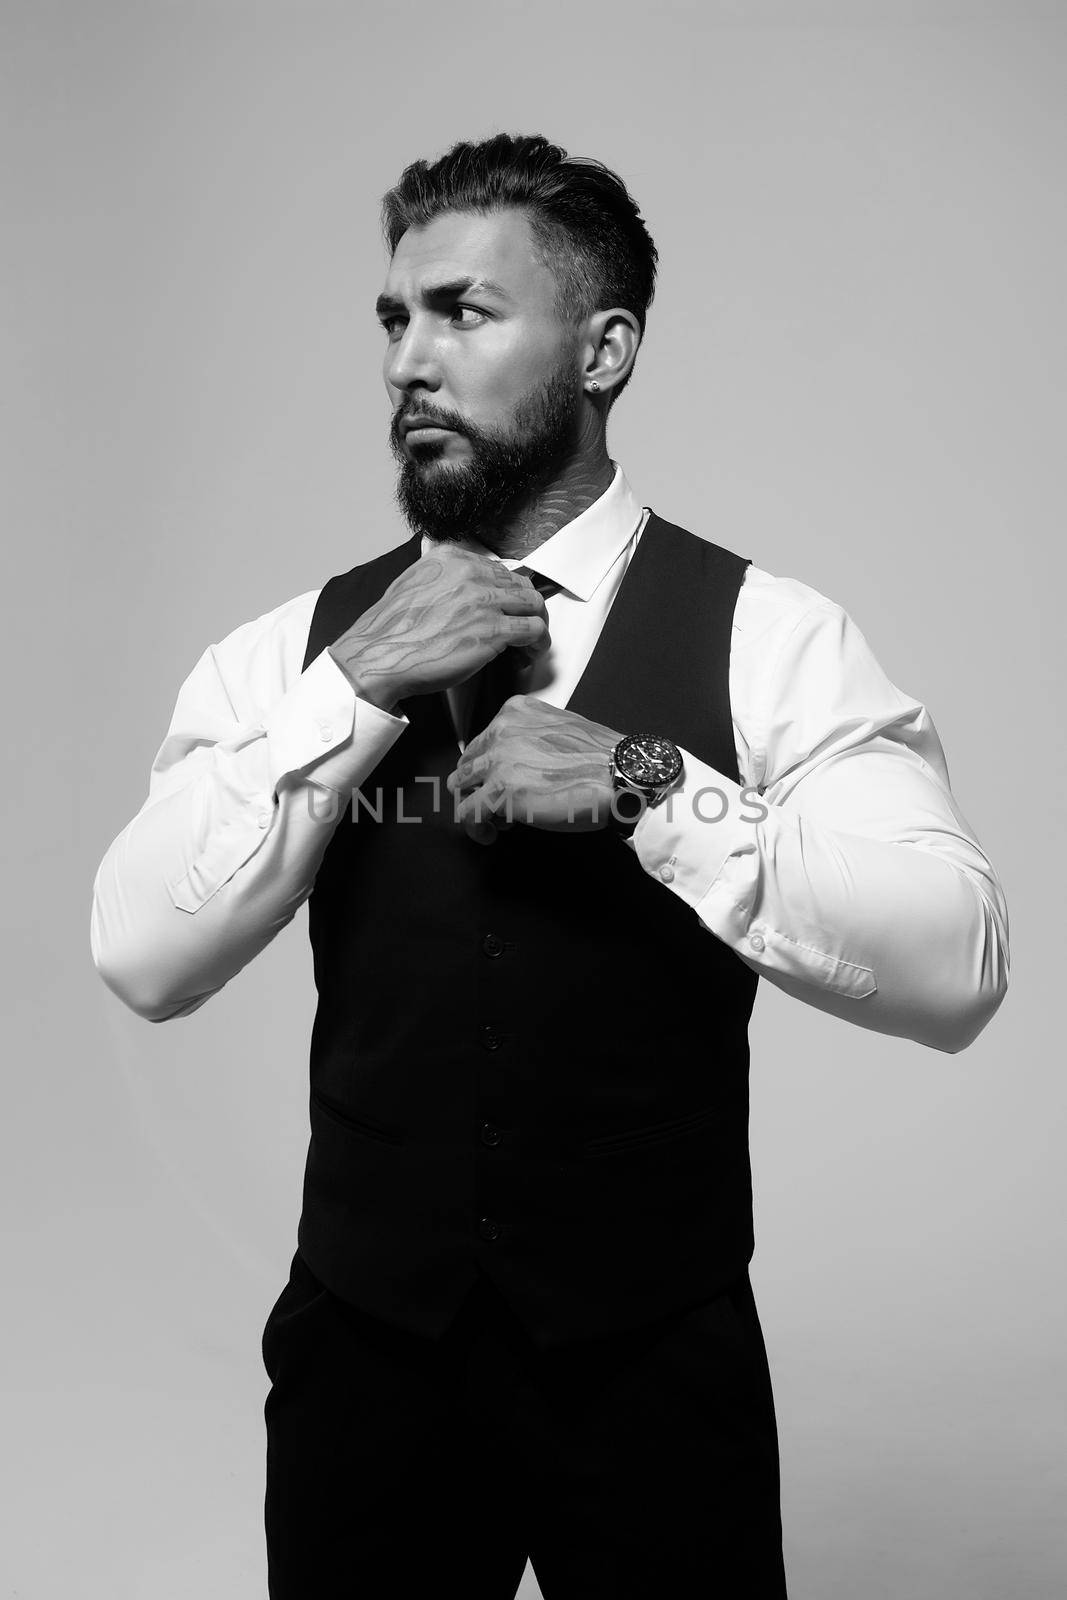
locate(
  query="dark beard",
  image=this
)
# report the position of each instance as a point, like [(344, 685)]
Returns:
[(477, 497)]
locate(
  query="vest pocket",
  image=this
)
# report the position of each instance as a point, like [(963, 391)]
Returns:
[(358, 1125), (652, 1133)]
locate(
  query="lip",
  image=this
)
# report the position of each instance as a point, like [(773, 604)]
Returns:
[(426, 434), (426, 427)]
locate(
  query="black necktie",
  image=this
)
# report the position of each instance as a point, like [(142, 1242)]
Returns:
[(500, 678)]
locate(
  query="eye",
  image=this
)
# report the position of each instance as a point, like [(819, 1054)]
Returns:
[(468, 316), (394, 326)]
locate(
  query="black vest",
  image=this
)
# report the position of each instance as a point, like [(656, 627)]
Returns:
[(530, 1059)]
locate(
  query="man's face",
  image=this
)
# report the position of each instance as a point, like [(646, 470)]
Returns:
[(476, 346)]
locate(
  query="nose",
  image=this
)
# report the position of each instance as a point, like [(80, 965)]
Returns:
[(410, 361)]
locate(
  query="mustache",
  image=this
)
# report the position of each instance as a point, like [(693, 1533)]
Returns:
[(443, 419)]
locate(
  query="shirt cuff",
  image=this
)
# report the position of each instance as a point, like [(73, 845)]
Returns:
[(322, 729), (687, 840), (705, 848)]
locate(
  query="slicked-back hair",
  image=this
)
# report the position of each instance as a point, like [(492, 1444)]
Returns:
[(582, 215)]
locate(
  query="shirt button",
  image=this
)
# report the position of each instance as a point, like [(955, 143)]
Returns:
[(491, 1040), (488, 1229), (490, 1135), (666, 874), (757, 941), (263, 820), (492, 945), (325, 732)]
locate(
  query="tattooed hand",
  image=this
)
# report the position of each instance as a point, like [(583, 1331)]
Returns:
[(438, 623), (538, 765)]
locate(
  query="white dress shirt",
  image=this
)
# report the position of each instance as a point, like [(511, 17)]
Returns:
[(840, 868)]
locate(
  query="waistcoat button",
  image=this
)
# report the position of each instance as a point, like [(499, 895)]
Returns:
[(490, 1040), (490, 1135), (488, 1229), (492, 945)]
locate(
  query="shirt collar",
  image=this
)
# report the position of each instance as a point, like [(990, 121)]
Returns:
[(580, 554)]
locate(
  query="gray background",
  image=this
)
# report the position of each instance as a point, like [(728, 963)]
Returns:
[(853, 373)]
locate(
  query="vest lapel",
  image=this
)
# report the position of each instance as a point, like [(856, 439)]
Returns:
[(662, 661)]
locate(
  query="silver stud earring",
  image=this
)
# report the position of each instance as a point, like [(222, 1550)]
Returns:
[(595, 387)]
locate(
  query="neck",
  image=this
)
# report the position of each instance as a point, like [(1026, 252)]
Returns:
[(584, 477)]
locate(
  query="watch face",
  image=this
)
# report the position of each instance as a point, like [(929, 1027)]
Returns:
[(648, 761)]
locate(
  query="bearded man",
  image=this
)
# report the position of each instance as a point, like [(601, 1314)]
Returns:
[(562, 780)]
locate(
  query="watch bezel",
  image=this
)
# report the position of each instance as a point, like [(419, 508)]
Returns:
[(671, 770)]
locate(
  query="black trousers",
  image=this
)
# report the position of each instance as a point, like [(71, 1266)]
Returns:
[(643, 1466)]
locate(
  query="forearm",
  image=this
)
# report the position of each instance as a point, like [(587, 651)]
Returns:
[(227, 847), (903, 937)]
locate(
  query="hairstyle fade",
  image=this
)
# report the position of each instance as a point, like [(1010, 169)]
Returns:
[(591, 231)]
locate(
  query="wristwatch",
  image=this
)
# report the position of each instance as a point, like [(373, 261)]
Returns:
[(647, 767)]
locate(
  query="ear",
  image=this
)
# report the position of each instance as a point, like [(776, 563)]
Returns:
[(609, 350)]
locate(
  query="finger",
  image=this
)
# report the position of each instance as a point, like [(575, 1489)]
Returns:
[(523, 600), (470, 771), (480, 832), (528, 633), (527, 655), (486, 803), (477, 746), (485, 830)]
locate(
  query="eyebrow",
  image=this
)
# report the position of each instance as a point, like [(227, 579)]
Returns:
[(388, 305)]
